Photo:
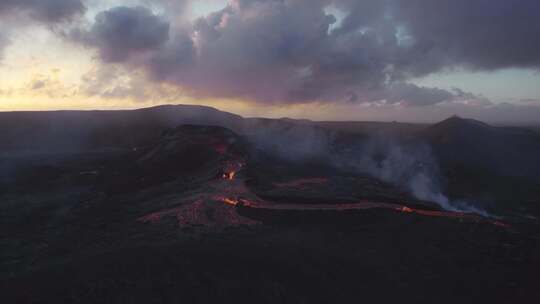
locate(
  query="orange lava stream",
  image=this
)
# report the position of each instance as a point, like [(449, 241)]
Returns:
[(229, 175), (364, 205), (232, 193)]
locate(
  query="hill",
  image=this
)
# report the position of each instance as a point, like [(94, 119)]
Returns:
[(474, 144), (93, 130)]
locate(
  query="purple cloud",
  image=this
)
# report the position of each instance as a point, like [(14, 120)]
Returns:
[(48, 11), (122, 31), (294, 51)]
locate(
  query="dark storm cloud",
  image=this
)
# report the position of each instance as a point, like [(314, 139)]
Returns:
[(296, 51), (482, 34), (119, 32), (48, 11)]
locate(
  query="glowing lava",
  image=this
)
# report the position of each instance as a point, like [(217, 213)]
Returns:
[(206, 213), (228, 201), (406, 209), (231, 169), (219, 203), (229, 175)]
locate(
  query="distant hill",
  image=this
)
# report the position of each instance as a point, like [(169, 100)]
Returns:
[(84, 130), (455, 141), (371, 127), (474, 144)]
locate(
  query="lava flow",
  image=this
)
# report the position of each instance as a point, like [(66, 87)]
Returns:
[(214, 206), (228, 201), (229, 175), (201, 213), (231, 168), (220, 199)]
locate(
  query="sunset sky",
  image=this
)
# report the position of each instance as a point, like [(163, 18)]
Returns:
[(407, 60)]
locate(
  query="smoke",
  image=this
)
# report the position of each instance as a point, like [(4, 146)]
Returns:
[(422, 186), (295, 142), (410, 165), (404, 163)]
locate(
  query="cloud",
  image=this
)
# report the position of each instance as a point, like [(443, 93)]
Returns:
[(47, 11), (123, 31), (480, 34), (38, 84), (409, 94), (114, 82), (47, 85), (529, 101), (4, 41), (294, 51), (269, 51)]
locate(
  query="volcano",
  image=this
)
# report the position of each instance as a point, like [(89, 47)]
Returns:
[(231, 175), (235, 209)]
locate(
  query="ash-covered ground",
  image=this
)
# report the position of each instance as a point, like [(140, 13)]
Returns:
[(293, 213)]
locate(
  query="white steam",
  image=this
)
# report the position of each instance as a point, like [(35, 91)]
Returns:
[(409, 165)]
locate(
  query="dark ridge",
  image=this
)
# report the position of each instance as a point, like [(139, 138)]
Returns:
[(456, 124), (61, 131), (477, 146)]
